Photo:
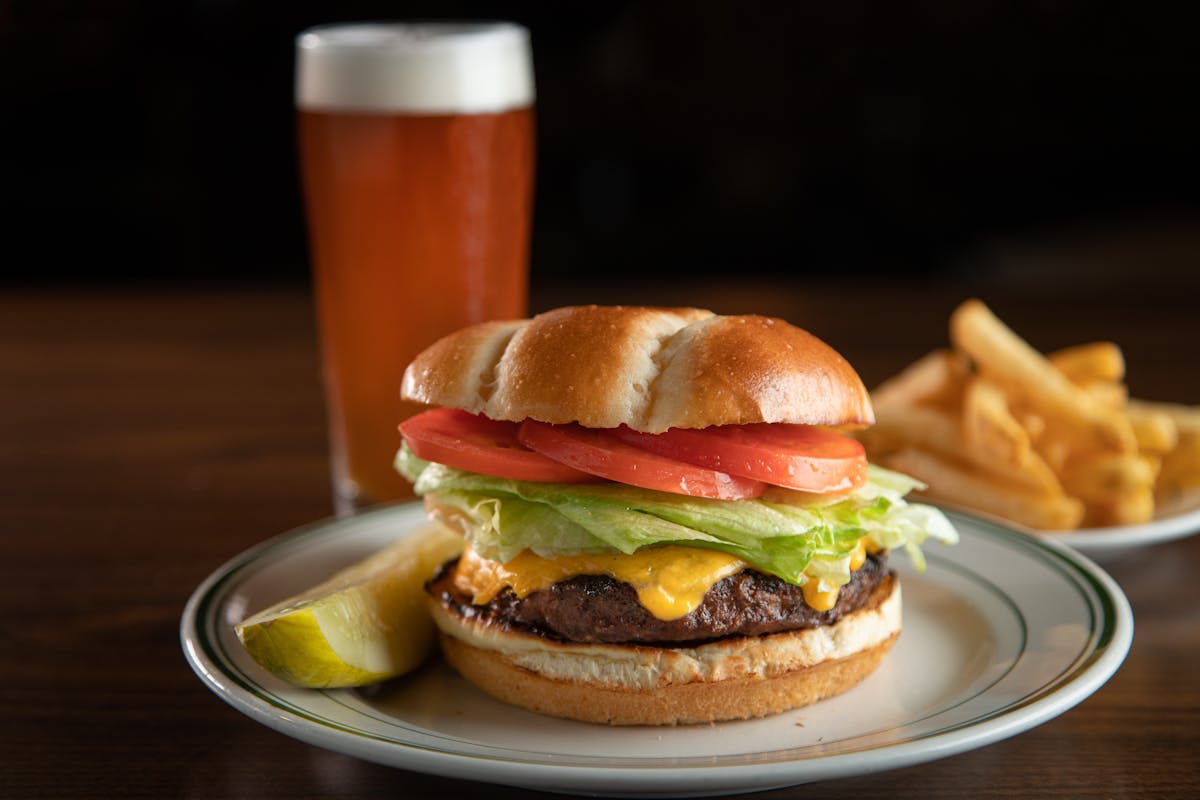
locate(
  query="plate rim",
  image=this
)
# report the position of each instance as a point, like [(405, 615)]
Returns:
[(1177, 526), (1095, 541), (1110, 638)]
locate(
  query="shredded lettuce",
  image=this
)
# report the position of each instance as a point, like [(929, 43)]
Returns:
[(796, 536)]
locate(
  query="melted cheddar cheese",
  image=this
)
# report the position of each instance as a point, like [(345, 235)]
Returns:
[(670, 581)]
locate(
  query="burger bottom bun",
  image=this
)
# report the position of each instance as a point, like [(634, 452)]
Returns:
[(737, 678)]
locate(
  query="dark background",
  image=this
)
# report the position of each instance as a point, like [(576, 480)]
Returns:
[(154, 140)]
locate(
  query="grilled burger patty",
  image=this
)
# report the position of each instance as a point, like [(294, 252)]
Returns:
[(597, 608)]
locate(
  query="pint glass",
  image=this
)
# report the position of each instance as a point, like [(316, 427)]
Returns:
[(416, 155)]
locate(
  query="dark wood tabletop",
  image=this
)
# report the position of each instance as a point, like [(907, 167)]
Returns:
[(147, 435)]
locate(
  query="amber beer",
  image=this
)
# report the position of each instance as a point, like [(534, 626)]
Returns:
[(416, 150)]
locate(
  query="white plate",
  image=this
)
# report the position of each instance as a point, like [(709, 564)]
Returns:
[(1002, 632), (1172, 521)]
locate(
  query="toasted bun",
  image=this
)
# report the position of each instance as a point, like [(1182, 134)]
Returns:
[(648, 368), (736, 678)]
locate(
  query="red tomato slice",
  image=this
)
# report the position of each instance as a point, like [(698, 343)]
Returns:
[(794, 456), (457, 439), (601, 453)]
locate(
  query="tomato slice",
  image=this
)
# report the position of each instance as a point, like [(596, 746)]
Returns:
[(794, 456), (458, 439), (599, 452)]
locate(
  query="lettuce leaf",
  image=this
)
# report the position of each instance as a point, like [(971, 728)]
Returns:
[(794, 535)]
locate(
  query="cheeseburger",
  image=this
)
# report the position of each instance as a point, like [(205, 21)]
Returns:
[(662, 524)]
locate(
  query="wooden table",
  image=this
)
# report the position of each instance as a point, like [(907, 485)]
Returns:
[(149, 435)]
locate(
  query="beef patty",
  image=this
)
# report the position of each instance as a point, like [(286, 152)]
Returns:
[(597, 608)]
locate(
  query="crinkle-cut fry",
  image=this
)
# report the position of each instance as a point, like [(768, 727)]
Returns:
[(938, 430), (1087, 363), (1107, 475), (935, 377), (988, 426), (1185, 417), (1023, 370), (951, 483), (1155, 431), (1127, 508)]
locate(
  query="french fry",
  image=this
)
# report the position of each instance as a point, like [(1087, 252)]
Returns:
[(1087, 363), (1186, 418), (940, 431), (1055, 451), (908, 425), (952, 483), (1181, 463), (1023, 370), (1107, 395), (1155, 431), (1045, 441), (1181, 466), (1033, 423), (1061, 445), (989, 427), (1109, 474), (935, 377), (1032, 472), (1131, 508)]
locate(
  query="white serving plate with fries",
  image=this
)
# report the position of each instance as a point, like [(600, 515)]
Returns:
[(1049, 443), (1002, 632)]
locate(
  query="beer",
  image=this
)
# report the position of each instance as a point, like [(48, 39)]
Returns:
[(416, 151)]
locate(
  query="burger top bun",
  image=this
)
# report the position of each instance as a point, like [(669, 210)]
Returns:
[(648, 368)]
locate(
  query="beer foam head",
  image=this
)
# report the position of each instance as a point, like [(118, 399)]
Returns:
[(414, 68)]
